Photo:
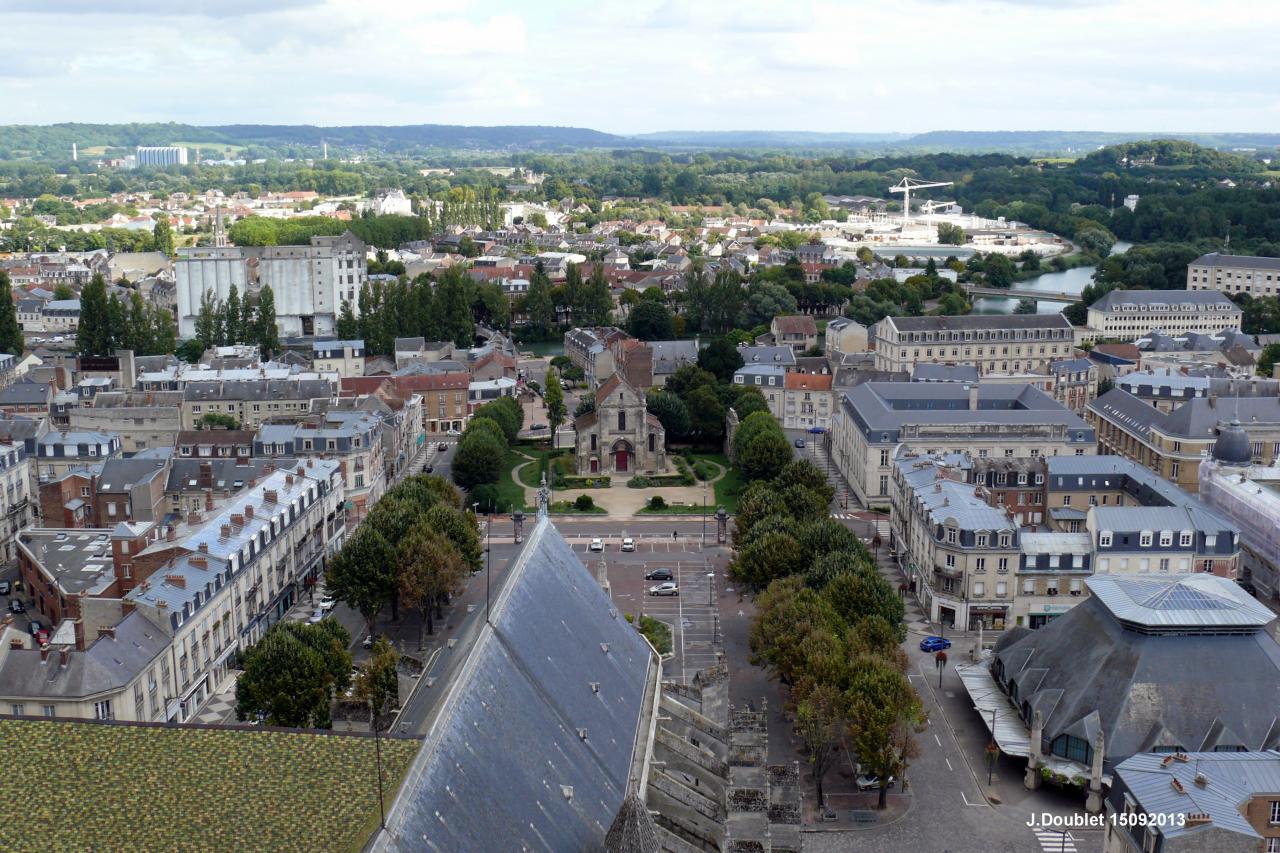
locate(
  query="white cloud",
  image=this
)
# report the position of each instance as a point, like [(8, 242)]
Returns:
[(645, 65)]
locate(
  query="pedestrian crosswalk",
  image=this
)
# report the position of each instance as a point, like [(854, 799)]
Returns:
[(1056, 841)]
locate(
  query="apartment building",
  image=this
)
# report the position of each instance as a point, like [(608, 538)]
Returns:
[(959, 552), (797, 331), (253, 402), (1127, 315), (17, 504), (589, 349), (1235, 274), (807, 401), (147, 615), (1173, 443), (992, 343), (59, 452), (1166, 390), (877, 419), (1013, 484), (142, 419), (345, 358), (770, 380), (1138, 522), (353, 438), (444, 395), (1052, 568), (1074, 383)]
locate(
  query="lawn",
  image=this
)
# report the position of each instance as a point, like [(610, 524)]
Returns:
[(510, 493), (531, 475), (127, 787), (727, 487)]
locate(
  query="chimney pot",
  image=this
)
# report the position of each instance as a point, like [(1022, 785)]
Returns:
[(248, 511), (204, 547), (237, 520), (170, 533), (64, 654), (44, 654), (225, 532)]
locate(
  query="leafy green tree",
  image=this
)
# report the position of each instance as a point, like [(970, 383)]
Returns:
[(506, 413), (553, 396), (11, 340), (688, 377), (748, 402), (1025, 306), (771, 555), (585, 406), (596, 300), (429, 569), (190, 351), (93, 337), (116, 323), (884, 711), (231, 331), (62, 290), (706, 414), (459, 528), (764, 301), (217, 420), (863, 593), (671, 411), (787, 614), (478, 459), (377, 682), (267, 333), (539, 308), (651, 321), (208, 321), (950, 234), (763, 455), (162, 235), (721, 358), (1266, 362), (290, 675), (347, 326), (997, 271), (363, 573), (822, 722)]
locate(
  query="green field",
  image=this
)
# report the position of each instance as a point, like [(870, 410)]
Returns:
[(123, 787), (727, 487)]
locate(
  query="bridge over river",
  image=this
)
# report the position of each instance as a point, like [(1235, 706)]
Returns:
[(1014, 293)]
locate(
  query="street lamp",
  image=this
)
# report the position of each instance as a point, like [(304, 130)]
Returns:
[(711, 579), (704, 514)]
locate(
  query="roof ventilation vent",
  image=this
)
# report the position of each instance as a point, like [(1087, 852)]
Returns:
[(1202, 781), (595, 687), (604, 647), (582, 734), (567, 790)]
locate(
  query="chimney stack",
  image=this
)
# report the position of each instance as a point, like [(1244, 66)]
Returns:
[(208, 500), (204, 547), (225, 532), (64, 655), (237, 520), (270, 496), (170, 533), (107, 631), (248, 512), (44, 654), (180, 581)]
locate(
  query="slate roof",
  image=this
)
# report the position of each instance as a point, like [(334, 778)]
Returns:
[(1210, 298), (1247, 262), (514, 714), (980, 321), (107, 664), (925, 372), (890, 405), (1194, 687), (783, 355), (1234, 778)]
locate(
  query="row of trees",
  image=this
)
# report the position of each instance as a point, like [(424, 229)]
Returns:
[(412, 550), (826, 624), (444, 308), (11, 340), (108, 324), (693, 404), (238, 320), (479, 459)]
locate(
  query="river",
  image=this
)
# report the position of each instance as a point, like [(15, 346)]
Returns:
[(1068, 281)]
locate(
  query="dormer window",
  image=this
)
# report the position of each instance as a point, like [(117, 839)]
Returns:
[(1104, 539)]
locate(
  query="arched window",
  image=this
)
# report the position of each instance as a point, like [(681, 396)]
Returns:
[(653, 442), (622, 420)]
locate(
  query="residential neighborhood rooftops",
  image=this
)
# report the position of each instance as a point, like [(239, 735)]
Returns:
[(78, 560), (108, 662)]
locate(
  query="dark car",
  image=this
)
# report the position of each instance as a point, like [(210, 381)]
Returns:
[(442, 446), (659, 575), (934, 644), (800, 443), (537, 427), (15, 606)]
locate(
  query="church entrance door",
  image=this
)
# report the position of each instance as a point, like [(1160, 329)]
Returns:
[(620, 461)]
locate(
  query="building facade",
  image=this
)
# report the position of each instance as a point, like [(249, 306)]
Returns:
[(992, 343), (1127, 315), (1235, 274), (620, 436)]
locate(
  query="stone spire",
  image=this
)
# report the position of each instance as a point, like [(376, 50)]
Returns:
[(632, 830), (544, 496)]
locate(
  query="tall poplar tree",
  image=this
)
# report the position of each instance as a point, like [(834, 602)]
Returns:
[(93, 337), (10, 334), (268, 334)]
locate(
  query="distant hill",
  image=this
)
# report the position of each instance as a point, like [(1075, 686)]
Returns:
[(766, 139), (54, 141)]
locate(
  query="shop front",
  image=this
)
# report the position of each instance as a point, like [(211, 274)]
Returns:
[(989, 617)]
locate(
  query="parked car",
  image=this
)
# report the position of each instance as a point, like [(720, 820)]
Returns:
[(628, 544), (597, 544), (328, 602), (659, 575), (16, 606), (6, 588), (664, 589), (800, 443), (538, 427), (315, 617), (871, 782), (934, 644), (453, 432), (442, 446)]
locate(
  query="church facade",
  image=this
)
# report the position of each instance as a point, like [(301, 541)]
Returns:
[(620, 436)]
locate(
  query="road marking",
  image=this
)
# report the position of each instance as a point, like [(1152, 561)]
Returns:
[(1055, 842), (949, 767), (967, 803), (935, 737)]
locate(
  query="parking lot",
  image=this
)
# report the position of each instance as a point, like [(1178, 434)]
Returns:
[(691, 615)]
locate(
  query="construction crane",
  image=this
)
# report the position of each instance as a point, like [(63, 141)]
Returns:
[(931, 206), (906, 185)]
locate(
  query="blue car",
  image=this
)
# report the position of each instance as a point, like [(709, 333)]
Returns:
[(934, 644)]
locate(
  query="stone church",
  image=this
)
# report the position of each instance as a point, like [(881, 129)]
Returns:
[(620, 437)]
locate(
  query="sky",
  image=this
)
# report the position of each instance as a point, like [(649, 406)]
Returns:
[(648, 65)]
